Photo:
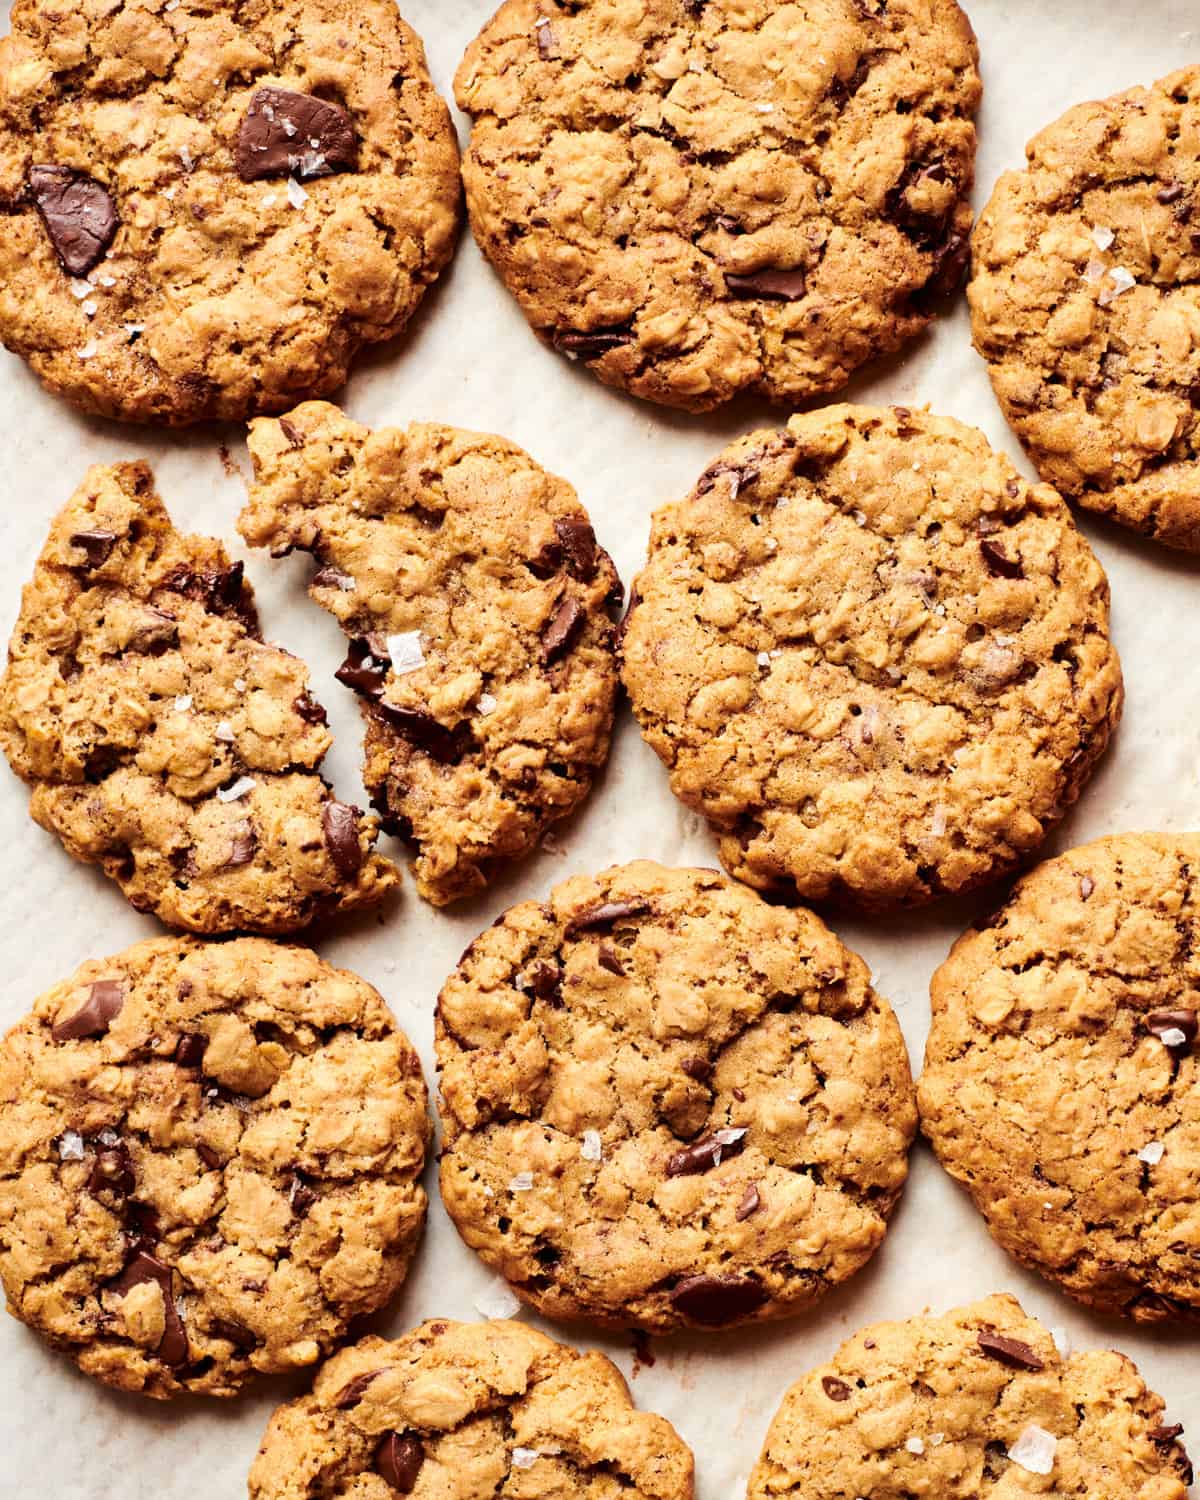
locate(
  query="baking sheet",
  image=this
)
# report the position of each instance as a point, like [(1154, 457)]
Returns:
[(470, 360)]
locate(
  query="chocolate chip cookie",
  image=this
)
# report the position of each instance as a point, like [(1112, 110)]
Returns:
[(476, 601), (1062, 1077), (209, 206), (1085, 299), (210, 1162), (696, 199), (873, 656), (163, 739), (470, 1410), (979, 1402), (668, 1104)]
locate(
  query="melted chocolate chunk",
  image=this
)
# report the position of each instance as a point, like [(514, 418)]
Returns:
[(423, 732), (364, 669), (339, 823), (222, 591), (742, 476), (698, 1068), (950, 262), (208, 1156), (593, 345), (1010, 1352), (242, 847), (308, 709), (300, 1195), (835, 1389), (607, 958), (284, 134), (112, 1172), (750, 1204), (545, 980), (398, 1460), (713, 1301), (80, 217), (95, 1015), (235, 1333), (1160, 1021), (622, 629), (578, 543), (155, 632), (173, 1346), (924, 227), (595, 918), (1171, 193), (769, 286), (351, 1394), (190, 1049), (141, 1227), (96, 546), (706, 1153), (562, 630), (293, 434), (998, 562)]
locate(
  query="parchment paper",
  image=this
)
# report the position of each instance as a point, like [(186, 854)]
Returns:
[(470, 360)]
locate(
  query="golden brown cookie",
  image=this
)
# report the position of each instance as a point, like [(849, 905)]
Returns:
[(978, 1403), (666, 1103), (1062, 1075), (210, 1162), (162, 738), (208, 205), (873, 656), (1086, 299), (697, 198), (476, 601), (469, 1411)]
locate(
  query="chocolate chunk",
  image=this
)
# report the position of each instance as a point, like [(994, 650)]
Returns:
[(363, 670), (243, 846), (544, 980), (95, 1015), (235, 1333), (339, 823), (706, 1153), (563, 629), (771, 286), (622, 629), (284, 134), (173, 1346), (141, 1227), (155, 632), (835, 1389), (80, 217), (593, 918), (1160, 1021), (547, 561), (222, 591), (96, 546), (607, 958), (300, 1195), (112, 1172), (925, 227), (593, 345), (750, 1204), (999, 564), (330, 577), (950, 262), (578, 543), (713, 1301), (1165, 1434), (1009, 1351), (208, 1156), (293, 434), (308, 709), (190, 1049), (1171, 193), (352, 1393), (698, 1068), (398, 1460), (422, 730), (742, 476)]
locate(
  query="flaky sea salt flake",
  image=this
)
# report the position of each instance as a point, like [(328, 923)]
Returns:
[(525, 1458), (592, 1149), (1173, 1037), (1102, 237), (1034, 1450), (486, 703), (1152, 1153), (521, 1183), (183, 703), (497, 1300), (225, 731), (81, 289), (915, 1445), (405, 652), (89, 350), (1122, 282), (297, 197), (238, 790), (70, 1146)]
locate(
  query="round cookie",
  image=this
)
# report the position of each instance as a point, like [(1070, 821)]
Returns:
[(472, 1410), (1085, 298), (210, 1163), (666, 1103), (873, 656), (977, 1403), (696, 198), (1062, 1076), (477, 605), (163, 739), (209, 206)]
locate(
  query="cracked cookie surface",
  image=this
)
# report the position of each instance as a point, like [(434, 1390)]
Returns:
[(239, 196), (976, 1403), (698, 199), (1085, 302), (668, 1104), (210, 1162), (1062, 1075), (475, 598), (162, 738), (470, 1411), (873, 656)]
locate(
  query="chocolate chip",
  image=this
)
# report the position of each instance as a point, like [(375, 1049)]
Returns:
[(190, 1049), (750, 1204), (363, 670), (422, 730), (706, 1153), (563, 629), (1160, 1021), (286, 134), (352, 1393), (1171, 193), (607, 958), (173, 1346), (544, 980), (835, 1389), (222, 591), (300, 1195), (1010, 1351), (80, 217), (96, 546), (593, 345), (593, 918), (95, 1015), (339, 823), (330, 577), (771, 286), (307, 708), (713, 1301), (112, 1172), (234, 1333), (999, 564), (156, 631), (578, 543), (293, 434), (698, 1068), (398, 1460)]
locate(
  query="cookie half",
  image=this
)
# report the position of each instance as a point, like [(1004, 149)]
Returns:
[(477, 605), (666, 1103), (473, 1410), (1062, 1074), (210, 1162), (698, 199), (1085, 298), (208, 207), (979, 1402), (163, 739), (873, 656)]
